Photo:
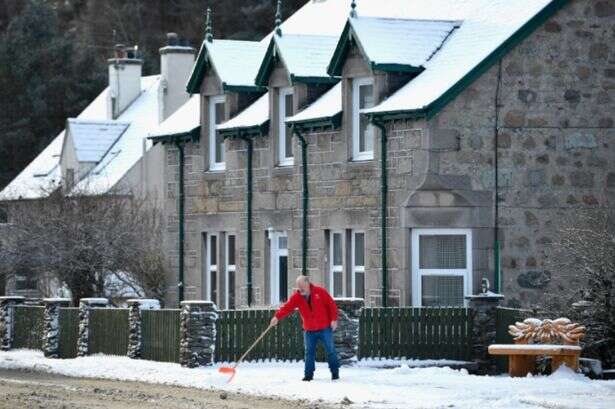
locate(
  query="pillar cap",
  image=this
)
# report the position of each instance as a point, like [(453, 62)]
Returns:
[(486, 296), (56, 300), (145, 303), (12, 297), (94, 301)]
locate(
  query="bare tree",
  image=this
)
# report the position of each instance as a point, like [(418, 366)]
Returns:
[(584, 256), (87, 242)]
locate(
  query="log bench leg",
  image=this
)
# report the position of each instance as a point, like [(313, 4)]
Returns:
[(521, 365), (571, 361)]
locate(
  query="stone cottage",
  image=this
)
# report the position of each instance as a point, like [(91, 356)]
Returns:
[(398, 151)]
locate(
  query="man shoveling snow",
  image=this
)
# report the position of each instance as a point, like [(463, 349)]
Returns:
[(319, 315)]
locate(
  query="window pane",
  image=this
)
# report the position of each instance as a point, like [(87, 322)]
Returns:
[(219, 139), (283, 278), (359, 285), (283, 242), (213, 250), (359, 249), (366, 96), (337, 249), (214, 287), (338, 290), (289, 111), (442, 291), (442, 251), (231, 250), (231, 290)]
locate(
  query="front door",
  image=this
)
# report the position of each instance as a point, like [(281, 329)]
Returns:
[(278, 243)]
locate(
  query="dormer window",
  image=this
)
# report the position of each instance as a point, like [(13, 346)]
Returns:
[(285, 135), (217, 115), (362, 131)]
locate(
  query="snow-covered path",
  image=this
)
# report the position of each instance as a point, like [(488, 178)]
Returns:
[(366, 386)]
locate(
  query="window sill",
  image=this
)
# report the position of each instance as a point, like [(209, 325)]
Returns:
[(214, 174), (282, 170)]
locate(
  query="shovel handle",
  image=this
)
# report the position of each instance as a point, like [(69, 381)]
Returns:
[(253, 345)]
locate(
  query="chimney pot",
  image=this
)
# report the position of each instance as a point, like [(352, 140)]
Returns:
[(120, 51), (172, 39)]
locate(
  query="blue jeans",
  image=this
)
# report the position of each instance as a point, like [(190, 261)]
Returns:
[(310, 340)]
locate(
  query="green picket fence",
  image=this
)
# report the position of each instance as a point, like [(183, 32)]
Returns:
[(237, 329), (28, 327), (160, 335), (504, 318), (108, 331), (69, 332), (421, 333)]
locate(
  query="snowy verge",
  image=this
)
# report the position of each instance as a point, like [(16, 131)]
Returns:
[(402, 387)]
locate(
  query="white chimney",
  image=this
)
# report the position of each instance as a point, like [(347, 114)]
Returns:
[(124, 80), (176, 63)]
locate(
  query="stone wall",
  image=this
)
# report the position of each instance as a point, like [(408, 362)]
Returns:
[(198, 333)]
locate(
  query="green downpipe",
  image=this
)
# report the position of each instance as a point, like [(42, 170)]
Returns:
[(181, 199), (384, 189), (497, 278), (305, 197), (249, 215)]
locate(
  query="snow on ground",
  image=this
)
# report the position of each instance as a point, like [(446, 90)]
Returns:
[(366, 386)]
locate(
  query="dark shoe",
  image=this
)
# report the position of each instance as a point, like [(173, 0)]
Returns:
[(335, 376), (307, 378)]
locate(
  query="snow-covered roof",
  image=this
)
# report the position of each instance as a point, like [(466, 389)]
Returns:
[(325, 107), (142, 114), (185, 120), (43, 174), (93, 139), (486, 26), (254, 115), (236, 63), (305, 56), (399, 42)]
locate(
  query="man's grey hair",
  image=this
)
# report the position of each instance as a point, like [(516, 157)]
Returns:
[(305, 279)]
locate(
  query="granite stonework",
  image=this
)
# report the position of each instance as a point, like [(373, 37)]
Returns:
[(51, 325), (198, 333), (483, 309), (6, 320), (85, 307), (552, 97), (346, 336), (135, 340)]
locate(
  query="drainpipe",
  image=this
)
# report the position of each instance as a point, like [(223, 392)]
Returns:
[(304, 148), (180, 284), (250, 143), (384, 189)]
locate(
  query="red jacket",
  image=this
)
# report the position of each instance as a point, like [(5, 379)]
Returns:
[(315, 316)]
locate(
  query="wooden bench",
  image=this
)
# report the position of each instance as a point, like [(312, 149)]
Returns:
[(522, 357)]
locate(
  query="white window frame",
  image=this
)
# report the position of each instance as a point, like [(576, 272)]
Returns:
[(356, 120), (229, 268), (355, 268), (275, 252), (211, 268), (417, 273), (213, 165), (282, 159), (336, 268)]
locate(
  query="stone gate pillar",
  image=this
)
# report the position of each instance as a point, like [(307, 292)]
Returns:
[(483, 311), (85, 307), (198, 333), (6, 320), (51, 325), (135, 339), (347, 335)]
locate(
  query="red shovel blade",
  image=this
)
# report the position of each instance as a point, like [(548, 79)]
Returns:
[(227, 370)]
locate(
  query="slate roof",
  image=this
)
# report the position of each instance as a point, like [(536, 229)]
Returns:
[(182, 122), (324, 108), (93, 139), (255, 115)]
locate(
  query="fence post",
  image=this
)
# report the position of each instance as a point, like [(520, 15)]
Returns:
[(347, 335), (85, 307), (135, 340), (51, 325), (483, 310), (6, 320), (198, 333)]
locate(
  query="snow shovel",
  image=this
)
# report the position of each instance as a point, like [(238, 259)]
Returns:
[(231, 370)]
